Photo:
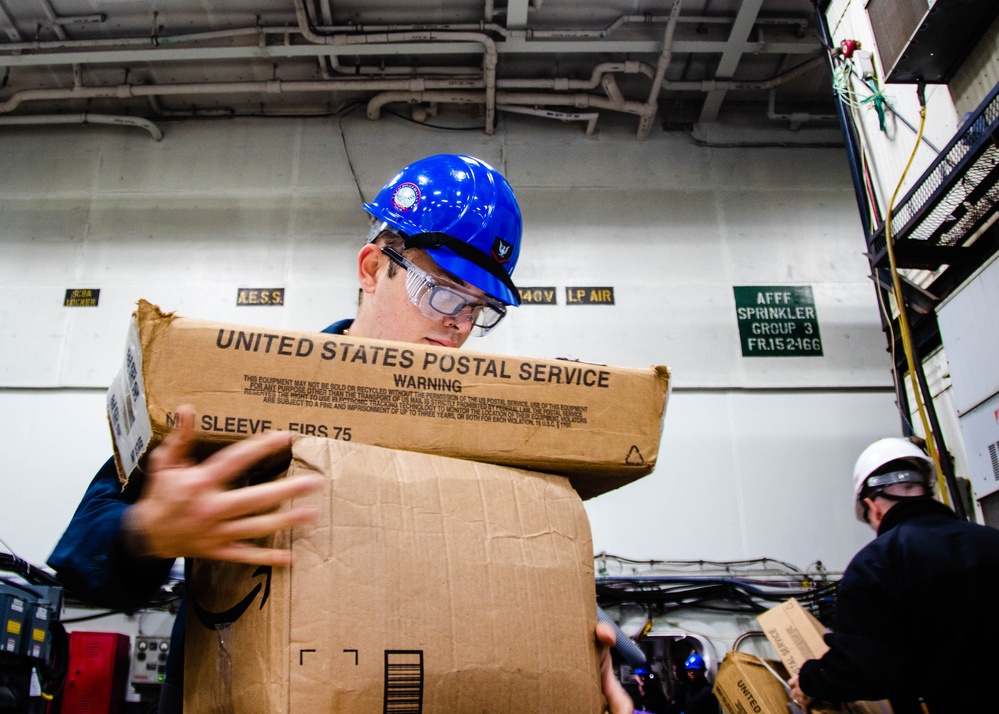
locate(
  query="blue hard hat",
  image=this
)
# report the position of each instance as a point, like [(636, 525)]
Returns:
[(463, 212), (694, 661)]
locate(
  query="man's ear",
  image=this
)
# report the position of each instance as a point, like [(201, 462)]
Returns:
[(876, 510), (369, 262)]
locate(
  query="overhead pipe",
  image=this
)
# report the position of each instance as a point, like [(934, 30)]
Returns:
[(595, 80), (332, 61), (801, 23), (146, 41), (413, 90), (85, 118), (372, 71), (665, 57), (94, 19), (578, 100), (189, 38), (710, 85), (589, 117), (406, 89), (489, 59), (795, 119), (126, 91)]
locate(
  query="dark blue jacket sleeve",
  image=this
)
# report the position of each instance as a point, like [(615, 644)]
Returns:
[(90, 559)]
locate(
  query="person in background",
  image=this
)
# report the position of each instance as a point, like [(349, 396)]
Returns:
[(916, 607), (677, 688), (435, 269), (650, 699), (699, 698)]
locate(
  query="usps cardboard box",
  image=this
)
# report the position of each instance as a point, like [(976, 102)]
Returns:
[(797, 635), (746, 684), (599, 425), (428, 584)]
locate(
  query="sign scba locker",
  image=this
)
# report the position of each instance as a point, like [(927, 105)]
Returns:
[(777, 321)]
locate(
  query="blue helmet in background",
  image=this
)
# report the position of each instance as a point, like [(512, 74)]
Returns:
[(694, 661), (461, 211)]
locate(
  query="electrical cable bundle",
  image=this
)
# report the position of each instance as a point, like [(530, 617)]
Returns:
[(746, 587)]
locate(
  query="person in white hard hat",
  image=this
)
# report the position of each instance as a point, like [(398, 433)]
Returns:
[(916, 599), (886, 472)]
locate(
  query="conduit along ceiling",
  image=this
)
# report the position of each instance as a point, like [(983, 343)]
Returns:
[(659, 65)]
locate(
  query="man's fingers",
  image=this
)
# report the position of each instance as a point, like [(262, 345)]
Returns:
[(175, 450), (266, 524), (262, 497), (232, 461), (250, 554), (618, 701), (605, 634)]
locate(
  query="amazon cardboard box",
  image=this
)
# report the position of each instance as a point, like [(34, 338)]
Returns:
[(746, 684), (797, 635), (428, 584), (598, 425)]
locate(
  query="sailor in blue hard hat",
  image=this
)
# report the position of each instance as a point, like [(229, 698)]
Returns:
[(694, 662), (452, 225), (436, 267), (699, 698)]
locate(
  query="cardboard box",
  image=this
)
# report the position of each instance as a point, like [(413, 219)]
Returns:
[(428, 584), (797, 635), (598, 425), (745, 684)]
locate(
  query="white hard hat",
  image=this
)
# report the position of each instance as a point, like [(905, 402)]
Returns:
[(884, 451)]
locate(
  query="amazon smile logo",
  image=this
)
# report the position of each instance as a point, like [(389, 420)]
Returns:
[(215, 620)]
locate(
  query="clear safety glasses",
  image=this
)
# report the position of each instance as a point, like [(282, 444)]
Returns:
[(442, 301)]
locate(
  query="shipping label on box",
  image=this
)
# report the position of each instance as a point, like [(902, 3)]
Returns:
[(427, 584), (599, 425)]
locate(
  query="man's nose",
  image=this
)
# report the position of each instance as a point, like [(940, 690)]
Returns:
[(462, 322)]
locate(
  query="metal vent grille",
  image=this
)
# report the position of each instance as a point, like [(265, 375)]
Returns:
[(990, 509), (893, 23), (994, 455)]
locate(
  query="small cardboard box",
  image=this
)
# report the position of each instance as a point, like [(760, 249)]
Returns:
[(747, 685), (599, 425), (797, 635), (427, 584)]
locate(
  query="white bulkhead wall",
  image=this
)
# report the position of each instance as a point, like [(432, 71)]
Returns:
[(756, 455)]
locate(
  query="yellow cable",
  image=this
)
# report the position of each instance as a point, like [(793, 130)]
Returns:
[(903, 320)]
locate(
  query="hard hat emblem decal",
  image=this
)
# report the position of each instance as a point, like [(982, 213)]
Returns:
[(406, 196), (502, 250)]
